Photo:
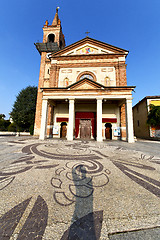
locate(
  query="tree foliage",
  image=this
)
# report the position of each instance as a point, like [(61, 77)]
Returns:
[(4, 123), (154, 116), (2, 116), (23, 111), (12, 127)]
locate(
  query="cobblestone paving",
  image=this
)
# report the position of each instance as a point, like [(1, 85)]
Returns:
[(79, 190)]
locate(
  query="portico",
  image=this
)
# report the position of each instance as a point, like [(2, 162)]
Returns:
[(71, 105)]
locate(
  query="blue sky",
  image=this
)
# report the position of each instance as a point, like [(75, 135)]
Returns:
[(132, 25)]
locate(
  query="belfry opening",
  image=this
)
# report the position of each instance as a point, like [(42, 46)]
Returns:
[(51, 38)]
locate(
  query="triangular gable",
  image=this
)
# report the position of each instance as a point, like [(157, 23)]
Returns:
[(88, 46), (85, 84), (87, 49)]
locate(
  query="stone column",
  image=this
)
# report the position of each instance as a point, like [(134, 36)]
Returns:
[(44, 119), (71, 120), (99, 120), (129, 121)]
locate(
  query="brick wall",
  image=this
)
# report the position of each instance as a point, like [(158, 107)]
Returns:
[(123, 121), (39, 96)]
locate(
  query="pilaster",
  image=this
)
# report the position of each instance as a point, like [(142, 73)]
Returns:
[(122, 75), (123, 122), (117, 75), (53, 75), (57, 76)]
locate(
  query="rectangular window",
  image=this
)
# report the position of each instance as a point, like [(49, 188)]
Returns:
[(138, 123)]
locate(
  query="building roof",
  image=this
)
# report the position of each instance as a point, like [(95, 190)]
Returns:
[(145, 98), (95, 42), (47, 47)]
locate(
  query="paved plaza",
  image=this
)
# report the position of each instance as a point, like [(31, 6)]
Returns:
[(79, 190)]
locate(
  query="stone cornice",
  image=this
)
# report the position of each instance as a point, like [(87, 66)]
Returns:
[(87, 57), (104, 88)]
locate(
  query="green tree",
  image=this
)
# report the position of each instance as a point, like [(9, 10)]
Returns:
[(12, 127), (2, 116), (23, 111), (154, 116), (4, 123)]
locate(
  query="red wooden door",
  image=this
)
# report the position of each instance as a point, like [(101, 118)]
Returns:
[(107, 133)]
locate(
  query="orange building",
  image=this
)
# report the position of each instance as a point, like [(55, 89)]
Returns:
[(82, 90)]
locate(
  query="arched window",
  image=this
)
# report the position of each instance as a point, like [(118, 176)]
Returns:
[(51, 37), (86, 76), (66, 82), (107, 81)]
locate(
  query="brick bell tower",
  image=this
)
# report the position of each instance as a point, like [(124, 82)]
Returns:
[(53, 41)]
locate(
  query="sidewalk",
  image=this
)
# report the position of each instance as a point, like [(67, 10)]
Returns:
[(59, 190)]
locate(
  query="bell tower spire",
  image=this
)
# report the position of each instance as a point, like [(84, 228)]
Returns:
[(53, 38), (53, 41), (56, 20), (53, 33)]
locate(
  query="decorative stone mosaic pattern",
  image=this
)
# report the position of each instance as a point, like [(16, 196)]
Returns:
[(76, 190)]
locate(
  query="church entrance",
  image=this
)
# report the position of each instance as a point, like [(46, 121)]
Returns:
[(85, 125), (85, 128), (108, 131), (63, 131)]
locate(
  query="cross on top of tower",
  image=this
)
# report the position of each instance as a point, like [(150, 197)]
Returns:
[(87, 33)]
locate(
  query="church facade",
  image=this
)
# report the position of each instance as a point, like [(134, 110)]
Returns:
[(82, 92)]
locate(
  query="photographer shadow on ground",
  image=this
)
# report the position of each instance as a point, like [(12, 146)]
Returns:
[(86, 224)]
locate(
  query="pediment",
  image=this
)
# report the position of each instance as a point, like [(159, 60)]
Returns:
[(85, 84), (87, 49), (89, 46)]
